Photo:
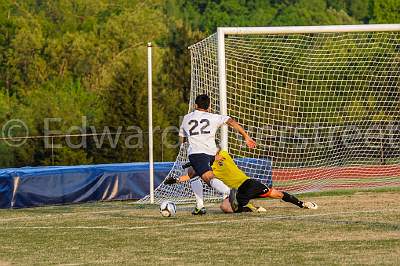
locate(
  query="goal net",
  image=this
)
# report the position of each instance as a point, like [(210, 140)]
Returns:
[(323, 107)]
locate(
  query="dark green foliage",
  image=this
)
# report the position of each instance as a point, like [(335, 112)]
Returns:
[(311, 12), (206, 16), (386, 11)]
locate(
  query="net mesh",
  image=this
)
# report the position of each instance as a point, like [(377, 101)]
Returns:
[(323, 107)]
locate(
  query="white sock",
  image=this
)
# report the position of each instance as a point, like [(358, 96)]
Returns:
[(220, 187), (197, 187)]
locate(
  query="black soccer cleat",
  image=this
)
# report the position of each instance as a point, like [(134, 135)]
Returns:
[(199, 211), (170, 180)]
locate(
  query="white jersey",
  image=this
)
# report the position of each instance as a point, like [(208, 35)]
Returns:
[(200, 128)]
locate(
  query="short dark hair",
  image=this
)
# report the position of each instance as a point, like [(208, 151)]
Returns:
[(202, 101)]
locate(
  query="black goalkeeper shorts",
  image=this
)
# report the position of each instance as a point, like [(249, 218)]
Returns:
[(250, 189)]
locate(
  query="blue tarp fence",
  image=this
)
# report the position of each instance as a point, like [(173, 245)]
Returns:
[(39, 186)]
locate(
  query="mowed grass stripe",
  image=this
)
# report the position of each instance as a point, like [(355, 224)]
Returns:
[(246, 220)]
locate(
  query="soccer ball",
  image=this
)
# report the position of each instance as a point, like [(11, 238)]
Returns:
[(167, 209)]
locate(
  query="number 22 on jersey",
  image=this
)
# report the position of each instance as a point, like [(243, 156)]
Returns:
[(195, 124)]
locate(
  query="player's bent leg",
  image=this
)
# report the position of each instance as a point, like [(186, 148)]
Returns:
[(210, 179), (207, 176), (201, 164)]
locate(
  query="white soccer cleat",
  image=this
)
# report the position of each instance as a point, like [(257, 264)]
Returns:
[(310, 205)]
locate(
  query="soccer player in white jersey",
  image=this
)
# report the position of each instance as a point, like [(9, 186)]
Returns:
[(199, 128)]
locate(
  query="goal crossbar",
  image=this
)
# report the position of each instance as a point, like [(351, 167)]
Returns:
[(309, 29)]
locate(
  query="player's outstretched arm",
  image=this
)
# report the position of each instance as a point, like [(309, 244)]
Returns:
[(235, 125)]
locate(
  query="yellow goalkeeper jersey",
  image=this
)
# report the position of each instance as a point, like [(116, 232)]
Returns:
[(227, 171)]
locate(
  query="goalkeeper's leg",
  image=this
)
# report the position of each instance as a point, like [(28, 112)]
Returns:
[(252, 189), (285, 196)]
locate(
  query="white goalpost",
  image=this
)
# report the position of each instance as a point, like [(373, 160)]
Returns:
[(322, 103)]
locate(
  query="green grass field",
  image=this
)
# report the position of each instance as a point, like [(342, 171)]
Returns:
[(361, 228)]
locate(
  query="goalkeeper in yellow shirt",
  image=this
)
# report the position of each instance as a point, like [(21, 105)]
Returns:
[(243, 188)]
